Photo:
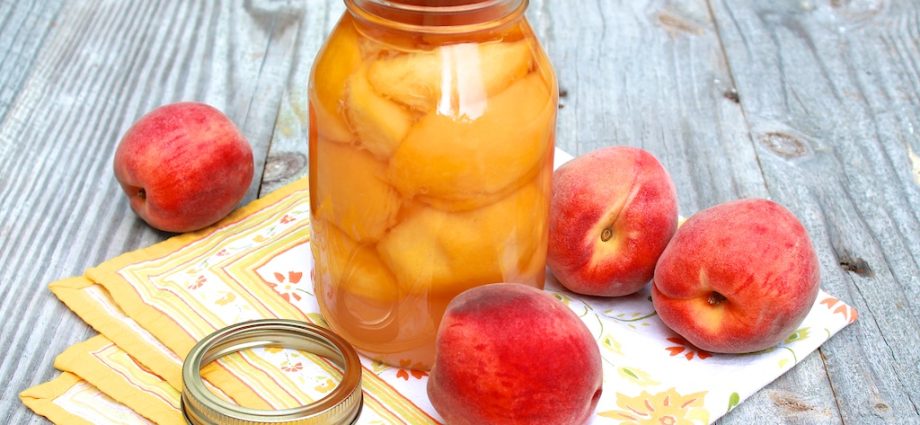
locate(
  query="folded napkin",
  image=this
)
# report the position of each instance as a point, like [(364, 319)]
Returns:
[(68, 399), (150, 306), (112, 371), (157, 302)]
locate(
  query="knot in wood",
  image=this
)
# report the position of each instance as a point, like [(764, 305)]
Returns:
[(285, 165), (784, 145)]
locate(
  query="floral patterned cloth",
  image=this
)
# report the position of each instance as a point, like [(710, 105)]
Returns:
[(152, 305)]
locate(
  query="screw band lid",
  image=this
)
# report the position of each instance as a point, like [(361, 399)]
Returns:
[(341, 406)]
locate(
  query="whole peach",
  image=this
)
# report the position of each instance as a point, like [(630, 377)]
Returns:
[(183, 166), (512, 354), (737, 277), (612, 213)]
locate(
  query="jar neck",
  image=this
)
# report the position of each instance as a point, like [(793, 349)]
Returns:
[(437, 16)]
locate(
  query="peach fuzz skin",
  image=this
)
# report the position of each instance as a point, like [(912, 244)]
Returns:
[(612, 213), (511, 354), (183, 166), (738, 277)]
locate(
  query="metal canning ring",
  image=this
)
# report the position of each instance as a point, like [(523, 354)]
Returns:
[(341, 406)]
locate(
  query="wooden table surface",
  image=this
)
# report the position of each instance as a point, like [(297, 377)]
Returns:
[(813, 103)]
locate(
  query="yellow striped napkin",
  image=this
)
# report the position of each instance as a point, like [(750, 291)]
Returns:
[(157, 302), (112, 371), (68, 399)]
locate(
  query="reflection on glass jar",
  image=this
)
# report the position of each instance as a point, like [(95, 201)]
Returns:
[(431, 144)]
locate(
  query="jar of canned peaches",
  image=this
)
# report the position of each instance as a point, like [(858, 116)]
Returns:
[(431, 149)]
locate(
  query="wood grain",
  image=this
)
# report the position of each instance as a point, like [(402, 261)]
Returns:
[(813, 103), (287, 158), (23, 26), (98, 67), (830, 91)]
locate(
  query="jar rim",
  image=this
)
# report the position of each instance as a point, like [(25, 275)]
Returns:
[(459, 8), (341, 406), (507, 10)]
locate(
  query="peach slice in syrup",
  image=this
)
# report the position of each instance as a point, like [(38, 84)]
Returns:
[(433, 251), (350, 191), (467, 161)]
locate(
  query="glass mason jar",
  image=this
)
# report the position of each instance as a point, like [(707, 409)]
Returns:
[(431, 149)]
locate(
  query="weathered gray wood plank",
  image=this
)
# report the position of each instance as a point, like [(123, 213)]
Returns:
[(23, 26), (287, 158), (830, 89), (99, 67)]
